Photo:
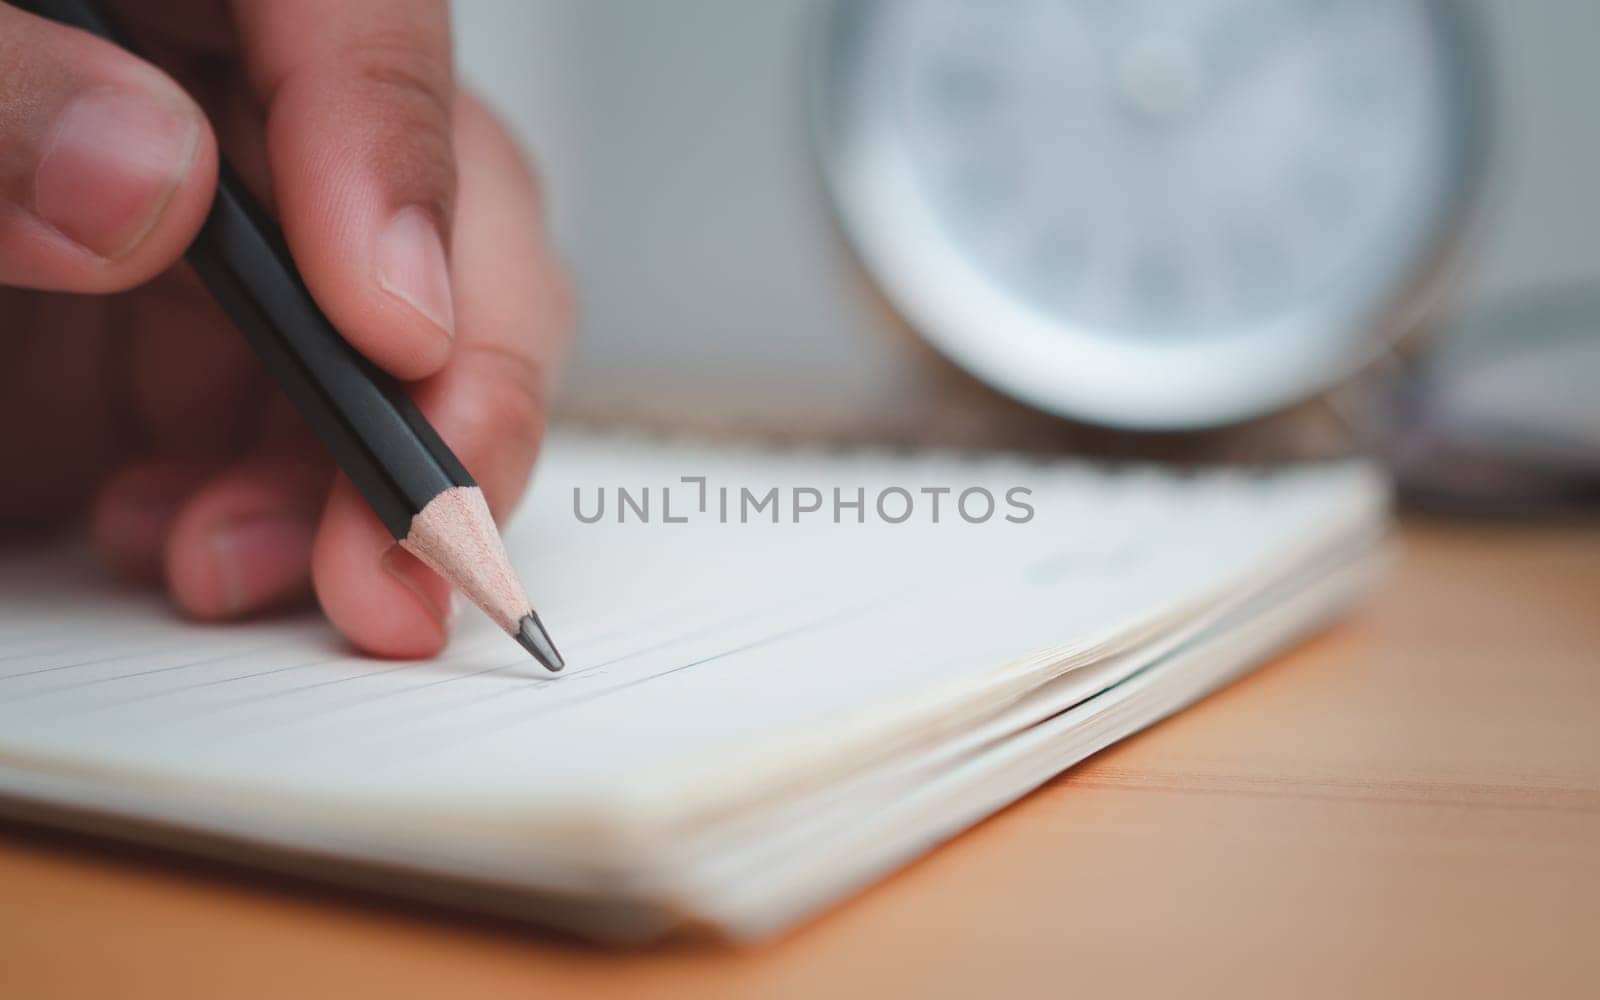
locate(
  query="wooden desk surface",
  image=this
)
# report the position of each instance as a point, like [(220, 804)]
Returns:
[(1410, 802)]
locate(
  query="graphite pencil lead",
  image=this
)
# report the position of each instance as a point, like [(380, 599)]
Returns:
[(533, 637)]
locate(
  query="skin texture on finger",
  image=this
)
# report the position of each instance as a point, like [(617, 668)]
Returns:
[(487, 404), (106, 166), (241, 543), (359, 141)]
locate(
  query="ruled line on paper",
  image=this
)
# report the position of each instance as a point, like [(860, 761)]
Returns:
[(93, 682), (111, 704), (91, 662), (582, 675), (474, 725)]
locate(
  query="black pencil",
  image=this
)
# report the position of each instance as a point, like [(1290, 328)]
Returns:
[(364, 417)]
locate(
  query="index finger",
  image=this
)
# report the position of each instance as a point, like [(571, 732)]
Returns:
[(358, 98), (488, 403)]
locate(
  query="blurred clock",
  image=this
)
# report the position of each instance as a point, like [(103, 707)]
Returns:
[(1145, 214)]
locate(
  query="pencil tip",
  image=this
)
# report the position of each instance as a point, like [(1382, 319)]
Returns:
[(532, 636)]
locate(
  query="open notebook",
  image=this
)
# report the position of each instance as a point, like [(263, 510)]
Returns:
[(757, 717)]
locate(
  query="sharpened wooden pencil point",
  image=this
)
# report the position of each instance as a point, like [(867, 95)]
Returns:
[(456, 537)]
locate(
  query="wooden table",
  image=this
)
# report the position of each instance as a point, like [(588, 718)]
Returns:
[(1409, 803)]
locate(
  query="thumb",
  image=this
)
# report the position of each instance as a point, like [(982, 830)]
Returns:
[(106, 165)]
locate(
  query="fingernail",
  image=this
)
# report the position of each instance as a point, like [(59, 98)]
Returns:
[(431, 591), (412, 266), (111, 167), (261, 560)]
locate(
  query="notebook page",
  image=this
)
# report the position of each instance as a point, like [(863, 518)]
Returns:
[(705, 658)]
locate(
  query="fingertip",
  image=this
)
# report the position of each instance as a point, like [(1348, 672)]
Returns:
[(367, 213), (111, 165), (119, 176), (242, 544), (378, 595), (179, 217), (413, 349)]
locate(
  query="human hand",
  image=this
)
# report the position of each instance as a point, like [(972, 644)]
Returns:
[(123, 388)]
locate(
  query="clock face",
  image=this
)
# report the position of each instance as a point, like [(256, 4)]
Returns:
[(1160, 214)]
